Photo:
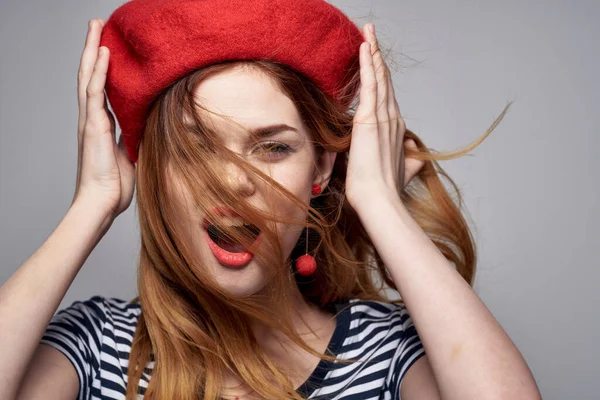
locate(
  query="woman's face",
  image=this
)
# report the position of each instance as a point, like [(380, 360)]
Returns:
[(251, 99)]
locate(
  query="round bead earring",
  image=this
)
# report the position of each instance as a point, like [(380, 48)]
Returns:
[(306, 264)]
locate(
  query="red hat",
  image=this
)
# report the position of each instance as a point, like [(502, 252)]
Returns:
[(153, 43)]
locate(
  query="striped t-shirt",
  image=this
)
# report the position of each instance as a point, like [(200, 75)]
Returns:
[(96, 335)]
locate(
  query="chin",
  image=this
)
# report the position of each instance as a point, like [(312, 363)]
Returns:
[(244, 281)]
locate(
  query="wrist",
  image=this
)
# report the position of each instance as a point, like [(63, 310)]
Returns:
[(380, 211), (96, 216), (375, 200)]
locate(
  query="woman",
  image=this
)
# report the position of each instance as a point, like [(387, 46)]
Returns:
[(268, 203)]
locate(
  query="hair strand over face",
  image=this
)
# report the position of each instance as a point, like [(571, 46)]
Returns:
[(192, 329)]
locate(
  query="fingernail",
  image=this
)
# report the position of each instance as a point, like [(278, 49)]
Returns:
[(372, 28)]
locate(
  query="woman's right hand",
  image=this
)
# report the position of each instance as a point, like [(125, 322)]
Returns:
[(105, 175)]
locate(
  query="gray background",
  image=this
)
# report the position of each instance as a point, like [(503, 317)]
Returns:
[(531, 188)]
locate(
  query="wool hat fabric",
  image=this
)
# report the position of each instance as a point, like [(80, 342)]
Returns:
[(153, 43)]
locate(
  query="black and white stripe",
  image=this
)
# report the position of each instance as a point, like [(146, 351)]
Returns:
[(96, 335)]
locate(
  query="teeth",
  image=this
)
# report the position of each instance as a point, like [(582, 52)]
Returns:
[(232, 221), (217, 235)]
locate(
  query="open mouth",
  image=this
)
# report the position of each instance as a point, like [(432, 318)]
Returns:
[(226, 242)]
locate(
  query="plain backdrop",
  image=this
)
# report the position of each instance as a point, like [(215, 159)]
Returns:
[(531, 189)]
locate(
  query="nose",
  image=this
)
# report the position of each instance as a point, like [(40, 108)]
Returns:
[(238, 180)]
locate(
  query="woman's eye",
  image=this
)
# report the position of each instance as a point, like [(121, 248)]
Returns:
[(274, 149)]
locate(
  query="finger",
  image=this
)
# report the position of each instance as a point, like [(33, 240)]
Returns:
[(393, 108), (364, 130), (121, 146), (398, 126), (365, 112), (380, 74), (96, 113), (412, 166), (395, 131), (398, 123), (86, 66), (89, 55), (113, 126), (81, 73), (386, 130)]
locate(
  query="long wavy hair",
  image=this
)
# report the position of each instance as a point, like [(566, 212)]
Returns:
[(193, 330)]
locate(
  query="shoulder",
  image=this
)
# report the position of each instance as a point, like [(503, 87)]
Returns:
[(99, 307), (391, 327), (370, 311), (94, 334), (116, 307), (386, 323), (382, 334), (87, 328), (92, 317)]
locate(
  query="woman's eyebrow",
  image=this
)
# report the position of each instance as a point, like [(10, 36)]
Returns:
[(264, 131), (269, 130)]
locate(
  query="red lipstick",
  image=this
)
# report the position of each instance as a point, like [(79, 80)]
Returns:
[(227, 258)]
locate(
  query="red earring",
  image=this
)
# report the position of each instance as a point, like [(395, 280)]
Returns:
[(306, 264)]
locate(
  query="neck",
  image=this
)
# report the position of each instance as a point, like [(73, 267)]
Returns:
[(314, 325), (306, 317)]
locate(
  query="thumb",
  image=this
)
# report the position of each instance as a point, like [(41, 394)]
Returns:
[(412, 166)]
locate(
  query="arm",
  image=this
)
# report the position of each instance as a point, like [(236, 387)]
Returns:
[(104, 189), (50, 376), (33, 293), (419, 383), (474, 358)]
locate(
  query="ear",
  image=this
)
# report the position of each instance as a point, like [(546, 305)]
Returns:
[(324, 164)]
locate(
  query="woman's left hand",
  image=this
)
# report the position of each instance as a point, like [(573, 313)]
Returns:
[(376, 165)]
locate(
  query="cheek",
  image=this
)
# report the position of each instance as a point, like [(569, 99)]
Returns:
[(182, 199), (299, 183)]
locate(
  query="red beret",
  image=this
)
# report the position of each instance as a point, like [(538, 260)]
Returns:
[(155, 42)]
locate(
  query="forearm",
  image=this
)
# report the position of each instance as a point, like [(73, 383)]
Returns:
[(471, 356), (31, 296)]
